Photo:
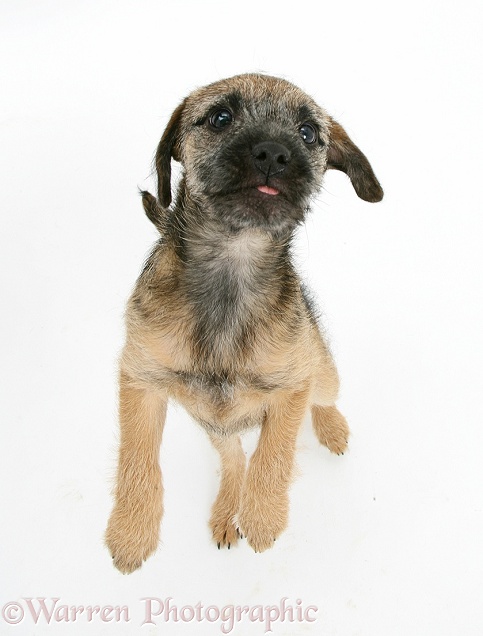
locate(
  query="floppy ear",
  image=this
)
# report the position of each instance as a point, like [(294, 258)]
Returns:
[(153, 211), (344, 155), (168, 147)]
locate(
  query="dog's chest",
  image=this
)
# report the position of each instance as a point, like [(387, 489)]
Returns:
[(228, 292), (221, 342)]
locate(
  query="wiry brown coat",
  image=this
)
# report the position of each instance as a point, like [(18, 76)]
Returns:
[(219, 320)]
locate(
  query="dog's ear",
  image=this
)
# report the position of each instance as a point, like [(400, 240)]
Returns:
[(344, 155), (151, 207), (168, 147)]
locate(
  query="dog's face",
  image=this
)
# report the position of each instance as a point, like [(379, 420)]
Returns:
[(254, 150)]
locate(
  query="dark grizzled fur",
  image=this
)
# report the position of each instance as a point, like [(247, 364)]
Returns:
[(310, 303), (231, 204)]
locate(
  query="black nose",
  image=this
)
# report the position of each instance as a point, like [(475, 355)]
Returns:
[(270, 157)]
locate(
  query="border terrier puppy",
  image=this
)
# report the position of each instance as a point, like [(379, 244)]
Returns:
[(219, 320)]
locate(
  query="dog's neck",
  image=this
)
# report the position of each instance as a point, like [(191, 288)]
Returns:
[(207, 246), (235, 270), (232, 280), (241, 255)]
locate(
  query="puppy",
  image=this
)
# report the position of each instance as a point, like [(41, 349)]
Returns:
[(219, 320)]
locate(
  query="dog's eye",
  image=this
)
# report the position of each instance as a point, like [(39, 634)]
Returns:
[(220, 118), (308, 133)]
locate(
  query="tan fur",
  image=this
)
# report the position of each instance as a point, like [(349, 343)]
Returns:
[(139, 490), (271, 380)]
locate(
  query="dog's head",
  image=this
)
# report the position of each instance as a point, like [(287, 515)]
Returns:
[(254, 150)]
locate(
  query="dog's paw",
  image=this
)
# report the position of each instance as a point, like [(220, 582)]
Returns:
[(261, 526), (331, 428), (338, 447), (130, 542), (224, 529)]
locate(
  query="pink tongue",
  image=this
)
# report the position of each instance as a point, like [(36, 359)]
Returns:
[(267, 189)]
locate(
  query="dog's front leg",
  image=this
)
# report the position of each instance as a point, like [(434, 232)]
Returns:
[(227, 502), (264, 506), (133, 529)]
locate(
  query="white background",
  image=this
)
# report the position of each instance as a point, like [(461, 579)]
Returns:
[(385, 540)]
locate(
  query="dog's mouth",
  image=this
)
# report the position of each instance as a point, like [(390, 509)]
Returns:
[(273, 206), (253, 189)]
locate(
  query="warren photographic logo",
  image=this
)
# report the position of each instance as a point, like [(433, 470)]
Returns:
[(154, 611)]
